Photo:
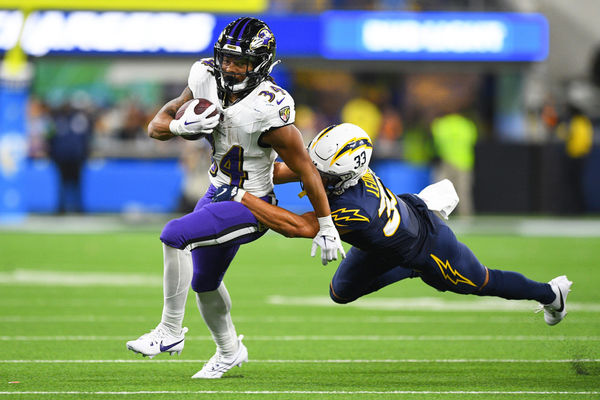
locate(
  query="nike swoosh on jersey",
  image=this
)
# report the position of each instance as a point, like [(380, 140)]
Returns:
[(279, 102), (165, 348)]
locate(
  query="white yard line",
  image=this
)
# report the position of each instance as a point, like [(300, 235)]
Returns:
[(27, 277), (327, 361), (30, 277), (309, 392), (438, 319), (333, 338), (450, 302), (49, 319)]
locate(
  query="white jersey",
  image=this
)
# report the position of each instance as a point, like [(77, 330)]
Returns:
[(238, 159)]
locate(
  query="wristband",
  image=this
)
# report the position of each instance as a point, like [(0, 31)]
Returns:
[(326, 222), (238, 196)]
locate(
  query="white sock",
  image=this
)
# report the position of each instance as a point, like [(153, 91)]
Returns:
[(176, 283), (214, 307)]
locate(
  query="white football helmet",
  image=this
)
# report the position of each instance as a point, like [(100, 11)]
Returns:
[(341, 154)]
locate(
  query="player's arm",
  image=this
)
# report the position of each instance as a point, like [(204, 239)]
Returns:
[(283, 174), (158, 128), (287, 142), (281, 220)]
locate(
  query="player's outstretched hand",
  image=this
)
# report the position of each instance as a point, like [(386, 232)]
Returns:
[(328, 239), (191, 123)]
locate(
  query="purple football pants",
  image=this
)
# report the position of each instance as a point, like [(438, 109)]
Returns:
[(214, 233)]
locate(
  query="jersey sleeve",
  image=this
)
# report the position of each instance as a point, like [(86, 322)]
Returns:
[(277, 105), (200, 72)]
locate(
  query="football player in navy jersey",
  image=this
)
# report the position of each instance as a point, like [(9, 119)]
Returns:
[(393, 237), (254, 125)]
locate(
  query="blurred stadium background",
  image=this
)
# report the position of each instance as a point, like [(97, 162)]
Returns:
[(81, 80)]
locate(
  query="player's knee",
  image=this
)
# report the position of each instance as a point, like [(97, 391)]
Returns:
[(338, 295), (171, 234), (204, 283)]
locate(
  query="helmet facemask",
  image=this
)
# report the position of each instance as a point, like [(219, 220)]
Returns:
[(234, 82)]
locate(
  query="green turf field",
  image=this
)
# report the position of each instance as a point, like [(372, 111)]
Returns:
[(69, 302)]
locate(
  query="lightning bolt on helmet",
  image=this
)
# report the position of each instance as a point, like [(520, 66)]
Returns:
[(341, 154), (248, 38)]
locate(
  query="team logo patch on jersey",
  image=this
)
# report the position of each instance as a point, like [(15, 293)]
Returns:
[(284, 114)]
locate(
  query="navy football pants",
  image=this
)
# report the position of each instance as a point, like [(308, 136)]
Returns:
[(444, 263)]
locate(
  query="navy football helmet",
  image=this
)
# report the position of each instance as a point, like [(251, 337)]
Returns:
[(252, 40)]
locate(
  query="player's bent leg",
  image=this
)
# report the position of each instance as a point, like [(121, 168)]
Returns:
[(177, 276), (210, 265), (214, 303), (458, 270), (168, 336), (515, 286), (449, 265), (361, 273), (213, 233), (214, 224), (349, 279), (215, 308)]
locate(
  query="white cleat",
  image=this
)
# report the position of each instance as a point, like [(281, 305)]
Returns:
[(556, 311), (217, 365), (158, 340)]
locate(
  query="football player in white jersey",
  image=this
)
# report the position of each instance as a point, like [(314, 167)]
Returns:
[(253, 126)]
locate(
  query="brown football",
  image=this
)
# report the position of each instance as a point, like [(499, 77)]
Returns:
[(202, 105)]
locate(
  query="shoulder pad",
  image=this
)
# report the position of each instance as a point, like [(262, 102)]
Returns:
[(275, 103), (208, 63), (200, 72)]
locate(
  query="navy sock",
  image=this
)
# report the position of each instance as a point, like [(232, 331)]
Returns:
[(515, 286)]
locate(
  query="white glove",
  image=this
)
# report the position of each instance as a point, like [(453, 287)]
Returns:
[(328, 239), (191, 123)]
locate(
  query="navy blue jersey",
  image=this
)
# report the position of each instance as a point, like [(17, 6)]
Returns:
[(378, 221)]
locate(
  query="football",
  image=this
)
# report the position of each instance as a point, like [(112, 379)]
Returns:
[(202, 105)]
